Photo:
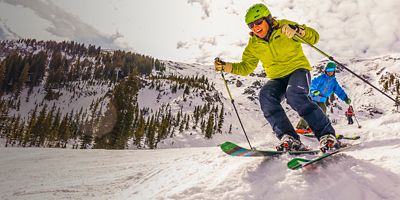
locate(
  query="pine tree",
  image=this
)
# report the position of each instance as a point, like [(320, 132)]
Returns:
[(139, 133), (53, 135), (386, 86), (15, 130), (178, 118), (38, 129), (150, 134), (196, 116), (210, 127), (3, 116), (87, 140), (8, 131), (202, 126), (21, 132), (64, 132), (221, 120), (29, 136), (2, 76), (187, 90), (23, 77), (187, 123), (182, 125)]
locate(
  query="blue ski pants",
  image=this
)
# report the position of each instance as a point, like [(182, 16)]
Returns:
[(295, 88)]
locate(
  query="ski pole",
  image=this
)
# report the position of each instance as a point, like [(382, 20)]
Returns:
[(344, 67), (359, 126), (233, 101)]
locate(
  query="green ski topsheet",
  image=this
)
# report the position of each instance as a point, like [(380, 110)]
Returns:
[(235, 150), (299, 163)]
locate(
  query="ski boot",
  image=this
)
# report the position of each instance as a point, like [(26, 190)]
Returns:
[(288, 143), (328, 142)]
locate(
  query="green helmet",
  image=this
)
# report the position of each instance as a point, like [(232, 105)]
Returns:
[(330, 67), (255, 12)]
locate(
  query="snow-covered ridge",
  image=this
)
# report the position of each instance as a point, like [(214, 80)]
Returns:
[(182, 93)]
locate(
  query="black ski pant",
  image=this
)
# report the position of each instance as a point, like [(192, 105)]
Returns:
[(350, 120), (294, 87)]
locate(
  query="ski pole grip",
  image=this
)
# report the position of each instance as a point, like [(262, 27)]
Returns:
[(294, 27)]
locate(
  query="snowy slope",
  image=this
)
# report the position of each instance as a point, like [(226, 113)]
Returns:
[(69, 101), (371, 171), (194, 173)]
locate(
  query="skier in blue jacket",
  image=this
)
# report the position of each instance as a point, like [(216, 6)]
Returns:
[(321, 89)]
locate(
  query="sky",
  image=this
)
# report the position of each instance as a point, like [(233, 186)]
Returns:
[(196, 31)]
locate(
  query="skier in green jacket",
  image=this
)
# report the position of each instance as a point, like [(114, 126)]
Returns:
[(273, 42)]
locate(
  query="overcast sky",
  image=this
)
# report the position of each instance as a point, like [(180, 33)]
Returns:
[(199, 30)]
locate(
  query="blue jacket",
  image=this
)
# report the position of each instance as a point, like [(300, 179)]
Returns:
[(326, 85)]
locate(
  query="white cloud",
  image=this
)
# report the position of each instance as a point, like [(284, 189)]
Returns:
[(207, 41), (191, 30), (65, 25), (6, 32), (205, 5), (181, 44)]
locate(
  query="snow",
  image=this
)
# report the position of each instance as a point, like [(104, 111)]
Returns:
[(69, 101), (190, 167), (193, 173)]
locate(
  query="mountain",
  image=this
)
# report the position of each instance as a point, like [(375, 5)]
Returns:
[(86, 97), (189, 166), (183, 102)]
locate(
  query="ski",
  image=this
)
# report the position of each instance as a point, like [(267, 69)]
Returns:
[(235, 150), (338, 136), (299, 163), (307, 133)]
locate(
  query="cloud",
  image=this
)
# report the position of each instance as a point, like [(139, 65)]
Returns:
[(211, 41), (207, 40), (6, 33), (240, 43), (66, 25), (205, 5), (204, 57), (356, 28), (116, 35), (181, 44)]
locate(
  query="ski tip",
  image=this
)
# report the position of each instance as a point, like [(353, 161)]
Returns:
[(296, 163), (227, 145)]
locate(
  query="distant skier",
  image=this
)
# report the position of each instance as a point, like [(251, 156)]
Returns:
[(273, 43), (321, 89), (349, 114)]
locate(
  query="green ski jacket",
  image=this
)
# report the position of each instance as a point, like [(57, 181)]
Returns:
[(279, 57)]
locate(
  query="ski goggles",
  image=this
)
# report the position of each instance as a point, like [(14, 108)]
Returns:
[(257, 22), (330, 70)]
